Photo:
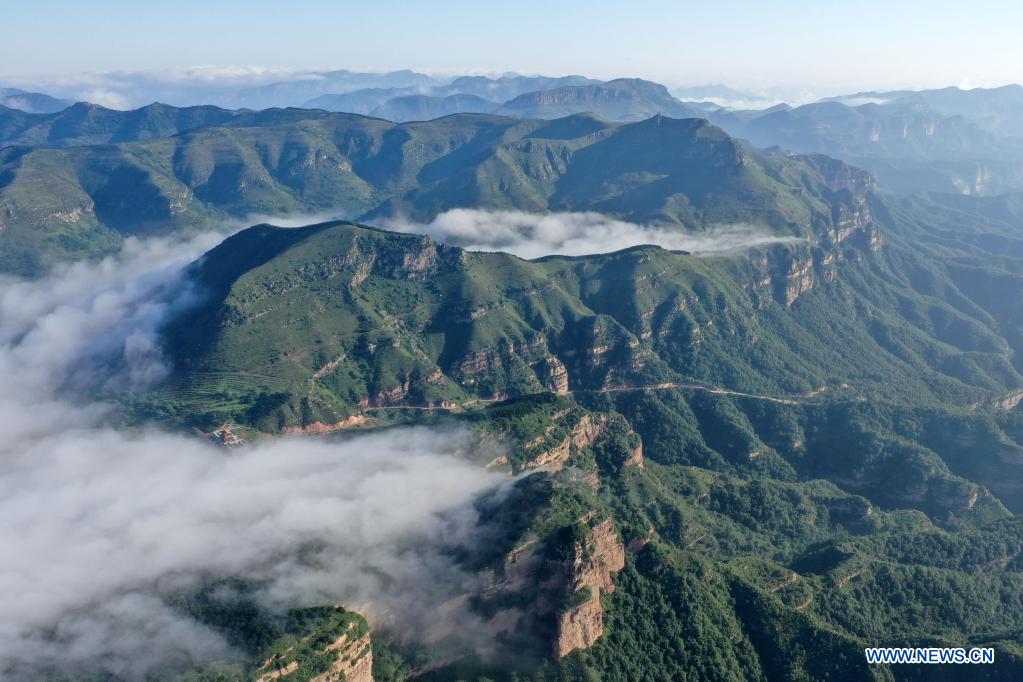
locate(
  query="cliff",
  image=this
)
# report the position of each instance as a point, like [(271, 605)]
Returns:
[(583, 434), (553, 590), (596, 561), (339, 645), (1009, 402), (571, 434), (354, 662)]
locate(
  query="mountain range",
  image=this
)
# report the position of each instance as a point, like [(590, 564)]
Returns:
[(267, 89), (950, 140), (808, 445), (909, 144), (624, 99), (662, 170), (474, 89), (995, 109), (748, 464)]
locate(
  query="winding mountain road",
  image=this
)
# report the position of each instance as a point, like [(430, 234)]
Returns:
[(666, 386)]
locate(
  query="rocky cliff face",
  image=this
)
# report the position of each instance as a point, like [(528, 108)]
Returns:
[(582, 435), (554, 375), (558, 593), (589, 575), (417, 258), (567, 435), (838, 176), (579, 627), (350, 656), (354, 661), (1009, 402), (791, 271), (794, 281)]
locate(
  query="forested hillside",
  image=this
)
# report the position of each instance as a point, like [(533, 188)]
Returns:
[(82, 201), (742, 464), (821, 443)]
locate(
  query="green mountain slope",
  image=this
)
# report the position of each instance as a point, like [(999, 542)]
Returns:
[(85, 124), (829, 454), (328, 323), (65, 203)]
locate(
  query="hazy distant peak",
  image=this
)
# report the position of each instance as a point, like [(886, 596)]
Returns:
[(30, 102)]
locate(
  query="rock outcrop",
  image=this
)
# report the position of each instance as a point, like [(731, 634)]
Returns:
[(796, 281), (790, 271), (320, 427), (590, 574), (582, 435), (635, 457), (555, 448), (1009, 402), (350, 656), (579, 627), (555, 592), (554, 375), (354, 661)]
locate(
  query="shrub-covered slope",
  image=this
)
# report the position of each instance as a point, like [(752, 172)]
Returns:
[(81, 201)]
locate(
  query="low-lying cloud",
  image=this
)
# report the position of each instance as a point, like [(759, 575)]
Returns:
[(532, 235), (182, 87), (102, 525)]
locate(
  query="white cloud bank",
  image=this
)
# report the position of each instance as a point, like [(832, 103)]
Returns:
[(185, 87), (532, 235), (101, 524)]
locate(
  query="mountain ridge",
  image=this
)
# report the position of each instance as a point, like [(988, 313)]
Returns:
[(682, 172), (620, 99)]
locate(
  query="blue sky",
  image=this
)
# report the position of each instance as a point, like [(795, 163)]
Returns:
[(844, 45)]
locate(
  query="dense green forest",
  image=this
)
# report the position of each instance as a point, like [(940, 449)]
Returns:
[(743, 465), (79, 202), (819, 475)]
